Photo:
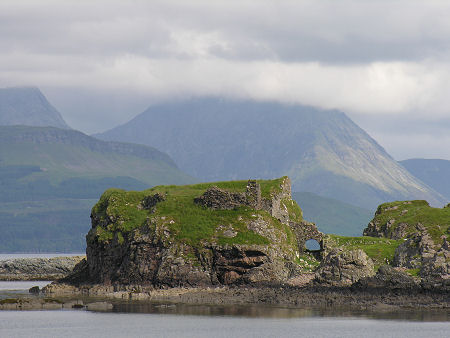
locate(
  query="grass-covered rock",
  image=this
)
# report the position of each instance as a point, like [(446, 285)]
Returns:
[(203, 234), (380, 250), (424, 233), (402, 218)]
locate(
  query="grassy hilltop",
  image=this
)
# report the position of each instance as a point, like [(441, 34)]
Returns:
[(402, 218), (187, 221)]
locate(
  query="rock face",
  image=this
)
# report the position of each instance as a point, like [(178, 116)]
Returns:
[(208, 234), (438, 264), (343, 268), (415, 249), (387, 277), (386, 223), (37, 268), (425, 232)]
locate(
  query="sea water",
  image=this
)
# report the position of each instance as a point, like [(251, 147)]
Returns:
[(72, 323)]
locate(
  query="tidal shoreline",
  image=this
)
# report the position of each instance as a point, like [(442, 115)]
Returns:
[(285, 296), (102, 298)]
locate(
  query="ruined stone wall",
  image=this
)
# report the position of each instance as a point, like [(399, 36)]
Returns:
[(216, 198), (274, 206), (305, 231)]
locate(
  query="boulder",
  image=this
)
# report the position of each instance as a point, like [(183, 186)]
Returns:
[(344, 267)]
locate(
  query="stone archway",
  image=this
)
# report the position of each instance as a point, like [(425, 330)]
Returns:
[(305, 231)]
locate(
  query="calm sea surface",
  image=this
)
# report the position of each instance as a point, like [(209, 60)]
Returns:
[(38, 255), (143, 319), (97, 324)]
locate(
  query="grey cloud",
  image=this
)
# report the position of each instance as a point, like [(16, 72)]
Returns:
[(325, 31), (102, 62)]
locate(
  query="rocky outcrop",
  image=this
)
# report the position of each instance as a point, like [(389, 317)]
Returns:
[(146, 259), (37, 268), (343, 267), (424, 230), (419, 251), (254, 239), (388, 278), (414, 250), (438, 265), (390, 226)]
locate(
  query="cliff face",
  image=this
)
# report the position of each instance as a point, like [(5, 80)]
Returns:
[(198, 235)]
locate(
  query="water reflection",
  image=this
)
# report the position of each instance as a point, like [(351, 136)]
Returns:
[(257, 311)]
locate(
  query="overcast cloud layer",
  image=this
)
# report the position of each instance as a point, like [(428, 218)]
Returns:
[(385, 63)]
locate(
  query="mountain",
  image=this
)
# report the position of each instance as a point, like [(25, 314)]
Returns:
[(50, 178), (28, 106), (333, 216), (434, 172), (322, 151)]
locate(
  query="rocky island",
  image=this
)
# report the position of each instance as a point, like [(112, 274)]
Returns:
[(243, 242), (223, 233)]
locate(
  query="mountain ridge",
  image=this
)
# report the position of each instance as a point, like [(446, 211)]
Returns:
[(50, 179), (323, 151), (53, 135)]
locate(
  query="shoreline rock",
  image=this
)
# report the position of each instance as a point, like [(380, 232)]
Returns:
[(285, 296), (27, 269)]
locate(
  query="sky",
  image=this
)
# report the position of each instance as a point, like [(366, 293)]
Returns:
[(385, 63)]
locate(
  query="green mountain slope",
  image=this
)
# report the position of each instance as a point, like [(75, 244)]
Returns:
[(321, 151), (63, 154), (434, 172), (50, 178), (333, 216), (27, 106)]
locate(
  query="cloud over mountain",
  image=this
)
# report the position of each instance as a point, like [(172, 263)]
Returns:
[(372, 59)]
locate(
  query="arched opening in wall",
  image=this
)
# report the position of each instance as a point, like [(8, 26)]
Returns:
[(312, 245)]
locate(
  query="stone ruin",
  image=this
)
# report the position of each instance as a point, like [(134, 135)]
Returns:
[(221, 199)]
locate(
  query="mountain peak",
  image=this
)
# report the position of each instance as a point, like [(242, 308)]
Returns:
[(28, 106), (323, 151)]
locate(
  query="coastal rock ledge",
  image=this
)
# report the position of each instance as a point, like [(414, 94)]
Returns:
[(210, 234), (19, 269)]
